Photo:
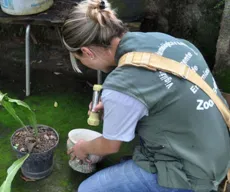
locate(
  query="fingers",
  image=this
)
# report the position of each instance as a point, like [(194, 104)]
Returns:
[(99, 107), (88, 161), (70, 151), (75, 151), (90, 108), (90, 105), (72, 157)]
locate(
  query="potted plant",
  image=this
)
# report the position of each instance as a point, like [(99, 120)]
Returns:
[(36, 141)]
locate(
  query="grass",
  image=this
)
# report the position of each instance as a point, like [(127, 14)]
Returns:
[(71, 113)]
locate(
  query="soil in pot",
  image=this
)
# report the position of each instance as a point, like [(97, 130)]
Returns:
[(26, 142), (41, 148)]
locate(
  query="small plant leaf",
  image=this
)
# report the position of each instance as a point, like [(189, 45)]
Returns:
[(7, 103), (30, 114), (8, 106), (20, 103), (2, 96), (11, 172), (16, 146)]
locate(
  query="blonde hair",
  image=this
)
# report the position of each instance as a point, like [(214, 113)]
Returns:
[(91, 22)]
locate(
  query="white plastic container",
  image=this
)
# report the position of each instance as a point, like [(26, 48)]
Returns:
[(25, 7), (85, 134)]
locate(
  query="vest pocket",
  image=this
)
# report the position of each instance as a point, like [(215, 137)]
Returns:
[(152, 147), (170, 174), (202, 185)]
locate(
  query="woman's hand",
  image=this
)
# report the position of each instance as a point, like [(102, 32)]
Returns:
[(98, 108), (77, 152)]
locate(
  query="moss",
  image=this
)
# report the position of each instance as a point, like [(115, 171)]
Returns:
[(71, 113), (5, 149)]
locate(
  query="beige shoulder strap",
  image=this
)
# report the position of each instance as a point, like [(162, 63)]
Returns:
[(155, 62)]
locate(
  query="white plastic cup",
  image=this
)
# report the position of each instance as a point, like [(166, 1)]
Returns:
[(87, 135)]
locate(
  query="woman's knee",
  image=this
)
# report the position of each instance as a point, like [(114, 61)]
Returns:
[(89, 185), (82, 187)]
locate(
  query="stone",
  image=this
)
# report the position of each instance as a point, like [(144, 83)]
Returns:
[(52, 137), (23, 150), (223, 44), (222, 66), (46, 137)]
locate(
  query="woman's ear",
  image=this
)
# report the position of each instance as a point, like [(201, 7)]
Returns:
[(87, 52)]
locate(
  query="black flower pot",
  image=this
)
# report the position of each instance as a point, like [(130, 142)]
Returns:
[(38, 165)]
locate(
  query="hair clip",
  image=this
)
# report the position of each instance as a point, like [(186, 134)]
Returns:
[(102, 5)]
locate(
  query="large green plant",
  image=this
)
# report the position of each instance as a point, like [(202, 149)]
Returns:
[(9, 103), (11, 172)]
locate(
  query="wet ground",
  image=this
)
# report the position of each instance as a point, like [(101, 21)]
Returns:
[(52, 80)]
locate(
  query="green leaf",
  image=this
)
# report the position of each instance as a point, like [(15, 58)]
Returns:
[(8, 106), (19, 102), (2, 96), (32, 120), (11, 172), (30, 114), (7, 103)]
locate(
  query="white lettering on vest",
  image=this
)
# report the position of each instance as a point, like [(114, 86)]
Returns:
[(215, 88), (195, 88), (194, 68), (169, 44), (204, 105), (166, 78), (186, 59)]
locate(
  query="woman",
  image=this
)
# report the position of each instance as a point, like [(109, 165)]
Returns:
[(184, 139)]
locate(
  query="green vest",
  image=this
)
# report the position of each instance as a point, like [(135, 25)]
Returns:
[(184, 139)]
